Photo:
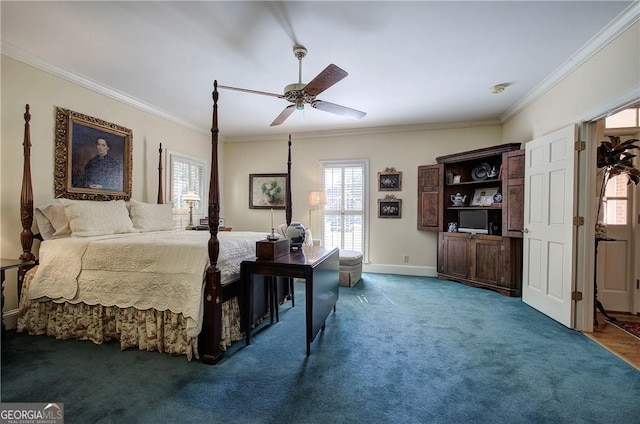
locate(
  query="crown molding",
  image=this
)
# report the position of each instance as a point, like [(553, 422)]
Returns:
[(10, 50), (628, 98), (621, 23)]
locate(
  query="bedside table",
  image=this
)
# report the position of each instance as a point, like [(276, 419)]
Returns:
[(6, 264)]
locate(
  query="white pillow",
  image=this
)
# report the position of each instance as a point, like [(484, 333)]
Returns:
[(151, 217), (52, 221), (93, 218)]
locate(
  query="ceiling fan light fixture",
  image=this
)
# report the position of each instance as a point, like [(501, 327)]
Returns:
[(299, 104)]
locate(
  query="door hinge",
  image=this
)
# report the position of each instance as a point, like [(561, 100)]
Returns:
[(580, 146), (576, 295), (578, 221)]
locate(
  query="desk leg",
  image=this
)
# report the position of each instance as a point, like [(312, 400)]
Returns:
[(275, 298), (2, 310), (248, 299), (308, 291)]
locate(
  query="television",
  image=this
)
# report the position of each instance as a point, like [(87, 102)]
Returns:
[(473, 221)]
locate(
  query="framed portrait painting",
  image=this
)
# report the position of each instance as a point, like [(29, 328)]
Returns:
[(389, 207), (267, 191), (93, 158)]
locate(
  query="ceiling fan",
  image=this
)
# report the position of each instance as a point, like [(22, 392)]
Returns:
[(300, 94)]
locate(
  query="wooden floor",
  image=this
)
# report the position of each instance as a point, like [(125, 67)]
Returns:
[(616, 340)]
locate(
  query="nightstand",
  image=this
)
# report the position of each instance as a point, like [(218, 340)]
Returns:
[(6, 264)]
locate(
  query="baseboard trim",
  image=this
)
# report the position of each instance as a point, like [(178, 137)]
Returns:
[(421, 271), (11, 319)]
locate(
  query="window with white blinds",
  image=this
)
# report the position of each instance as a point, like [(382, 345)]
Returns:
[(185, 173), (344, 215)]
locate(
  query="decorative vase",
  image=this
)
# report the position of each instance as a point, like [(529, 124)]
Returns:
[(295, 233), (497, 198)]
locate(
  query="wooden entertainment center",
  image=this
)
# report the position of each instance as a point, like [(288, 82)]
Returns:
[(475, 200)]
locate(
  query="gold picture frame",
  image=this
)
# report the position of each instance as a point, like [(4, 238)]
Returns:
[(389, 207), (390, 180), (92, 158), (267, 191)]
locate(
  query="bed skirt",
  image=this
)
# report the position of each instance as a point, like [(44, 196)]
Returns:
[(149, 330)]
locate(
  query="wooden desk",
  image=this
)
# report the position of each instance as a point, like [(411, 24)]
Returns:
[(318, 266), (6, 264)]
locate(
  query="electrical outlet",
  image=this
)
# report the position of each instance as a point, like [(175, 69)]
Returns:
[(405, 258)]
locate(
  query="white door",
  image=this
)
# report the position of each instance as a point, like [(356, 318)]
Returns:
[(615, 258), (548, 262)]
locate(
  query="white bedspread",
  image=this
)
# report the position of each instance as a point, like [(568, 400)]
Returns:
[(163, 270)]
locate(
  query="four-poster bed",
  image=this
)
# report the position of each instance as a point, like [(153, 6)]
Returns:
[(52, 309)]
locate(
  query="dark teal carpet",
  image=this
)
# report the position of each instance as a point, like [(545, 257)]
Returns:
[(399, 350)]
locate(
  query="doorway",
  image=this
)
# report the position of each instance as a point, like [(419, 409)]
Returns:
[(617, 271)]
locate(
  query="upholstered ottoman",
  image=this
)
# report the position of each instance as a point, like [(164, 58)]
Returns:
[(350, 267)]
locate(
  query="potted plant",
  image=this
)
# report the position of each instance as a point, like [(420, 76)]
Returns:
[(614, 158)]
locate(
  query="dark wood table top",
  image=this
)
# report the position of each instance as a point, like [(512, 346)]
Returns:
[(308, 255)]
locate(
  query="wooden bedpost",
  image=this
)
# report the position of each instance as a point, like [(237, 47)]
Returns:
[(26, 196), (160, 194), (212, 322), (289, 204)]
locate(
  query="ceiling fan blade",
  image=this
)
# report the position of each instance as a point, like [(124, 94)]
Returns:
[(338, 110), (325, 79), (283, 115), (264, 93)]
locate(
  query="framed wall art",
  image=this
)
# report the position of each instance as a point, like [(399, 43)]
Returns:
[(92, 158), (267, 191), (389, 207), (479, 193), (390, 180)]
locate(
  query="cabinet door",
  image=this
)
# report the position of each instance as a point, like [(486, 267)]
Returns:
[(487, 264), (513, 193), (453, 255), (430, 189)]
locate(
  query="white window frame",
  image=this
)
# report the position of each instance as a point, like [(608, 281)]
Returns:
[(365, 200), (198, 207)]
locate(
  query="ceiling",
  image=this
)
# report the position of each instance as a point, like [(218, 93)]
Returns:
[(413, 64)]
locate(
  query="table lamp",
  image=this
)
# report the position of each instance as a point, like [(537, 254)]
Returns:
[(190, 197)]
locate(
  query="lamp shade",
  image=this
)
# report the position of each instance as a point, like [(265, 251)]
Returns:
[(317, 197), (191, 197)]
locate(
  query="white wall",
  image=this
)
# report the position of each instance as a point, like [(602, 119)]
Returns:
[(608, 79), (22, 84), (390, 239), (607, 75)]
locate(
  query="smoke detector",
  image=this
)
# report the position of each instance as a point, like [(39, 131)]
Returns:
[(499, 88)]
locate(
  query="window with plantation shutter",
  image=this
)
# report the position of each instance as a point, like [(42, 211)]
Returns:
[(185, 174), (344, 220)]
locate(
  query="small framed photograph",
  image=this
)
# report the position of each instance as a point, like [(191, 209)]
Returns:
[(486, 200), (449, 177), (456, 179), (267, 191), (93, 158), (479, 193), (390, 180), (389, 207)]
